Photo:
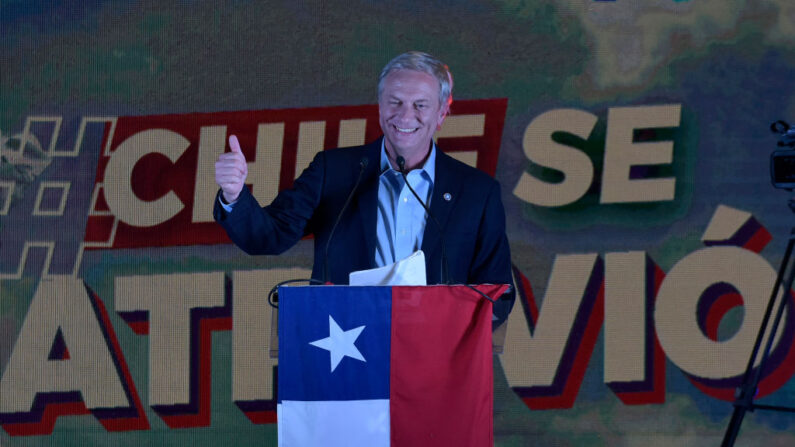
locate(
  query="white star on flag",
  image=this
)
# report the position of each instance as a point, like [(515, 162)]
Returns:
[(340, 343)]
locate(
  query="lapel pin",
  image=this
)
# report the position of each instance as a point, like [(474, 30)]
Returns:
[(447, 196)]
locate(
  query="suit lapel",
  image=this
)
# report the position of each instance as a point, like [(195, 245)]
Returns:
[(367, 198), (446, 185)]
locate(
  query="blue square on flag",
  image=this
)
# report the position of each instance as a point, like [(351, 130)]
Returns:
[(362, 320)]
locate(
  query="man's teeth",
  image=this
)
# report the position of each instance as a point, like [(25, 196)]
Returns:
[(400, 129)]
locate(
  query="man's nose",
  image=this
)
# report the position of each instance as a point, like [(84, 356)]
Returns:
[(405, 113)]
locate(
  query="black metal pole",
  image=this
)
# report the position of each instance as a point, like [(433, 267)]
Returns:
[(744, 400)]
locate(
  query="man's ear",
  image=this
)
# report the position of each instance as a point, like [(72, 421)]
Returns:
[(445, 110)]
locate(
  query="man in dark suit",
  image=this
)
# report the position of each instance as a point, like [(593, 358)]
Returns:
[(384, 222)]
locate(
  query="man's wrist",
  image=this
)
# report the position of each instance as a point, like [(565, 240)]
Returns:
[(226, 200)]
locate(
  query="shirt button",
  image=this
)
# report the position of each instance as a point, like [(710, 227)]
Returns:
[(405, 199)]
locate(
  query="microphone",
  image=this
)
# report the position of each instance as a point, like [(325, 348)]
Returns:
[(362, 166), (444, 267)]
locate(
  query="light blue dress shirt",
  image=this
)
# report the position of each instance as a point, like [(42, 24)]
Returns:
[(400, 221)]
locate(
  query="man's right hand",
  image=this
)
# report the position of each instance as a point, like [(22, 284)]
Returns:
[(231, 171)]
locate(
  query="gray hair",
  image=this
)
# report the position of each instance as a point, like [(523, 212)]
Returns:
[(423, 62)]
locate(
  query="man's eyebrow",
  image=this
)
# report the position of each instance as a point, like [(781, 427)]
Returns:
[(392, 97)]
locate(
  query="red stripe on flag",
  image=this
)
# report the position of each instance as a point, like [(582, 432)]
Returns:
[(441, 377)]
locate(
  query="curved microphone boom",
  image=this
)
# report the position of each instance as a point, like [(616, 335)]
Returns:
[(362, 166), (444, 267)]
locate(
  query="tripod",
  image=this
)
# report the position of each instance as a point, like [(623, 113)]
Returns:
[(745, 394)]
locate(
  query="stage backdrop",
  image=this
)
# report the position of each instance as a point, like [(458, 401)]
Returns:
[(631, 139)]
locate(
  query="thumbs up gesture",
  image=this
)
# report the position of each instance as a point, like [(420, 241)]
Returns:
[(231, 171)]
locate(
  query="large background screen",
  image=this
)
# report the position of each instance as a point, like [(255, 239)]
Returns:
[(631, 140)]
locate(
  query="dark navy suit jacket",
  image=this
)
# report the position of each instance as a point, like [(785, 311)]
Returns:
[(473, 220)]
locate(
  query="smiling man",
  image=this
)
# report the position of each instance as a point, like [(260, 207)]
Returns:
[(383, 222), (411, 107)]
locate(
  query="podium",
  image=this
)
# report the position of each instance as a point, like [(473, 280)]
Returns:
[(385, 365)]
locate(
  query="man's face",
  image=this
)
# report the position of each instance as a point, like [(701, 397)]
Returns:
[(409, 113)]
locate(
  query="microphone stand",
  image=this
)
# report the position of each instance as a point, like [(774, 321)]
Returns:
[(444, 267), (362, 166), (745, 394), (273, 295)]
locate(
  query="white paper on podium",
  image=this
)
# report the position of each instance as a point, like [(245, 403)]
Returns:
[(409, 271)]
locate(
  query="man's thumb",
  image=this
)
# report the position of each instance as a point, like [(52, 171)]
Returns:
[(234, 144)]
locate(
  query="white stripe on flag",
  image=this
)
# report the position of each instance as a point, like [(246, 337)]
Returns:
[(347, 423)]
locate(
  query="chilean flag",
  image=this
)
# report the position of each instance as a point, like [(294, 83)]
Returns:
[(381, 366)]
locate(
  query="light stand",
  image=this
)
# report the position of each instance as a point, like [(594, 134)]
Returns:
[(745, 394), (782, 175)]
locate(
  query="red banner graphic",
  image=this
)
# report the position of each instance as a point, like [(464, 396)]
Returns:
[(155, 184)]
